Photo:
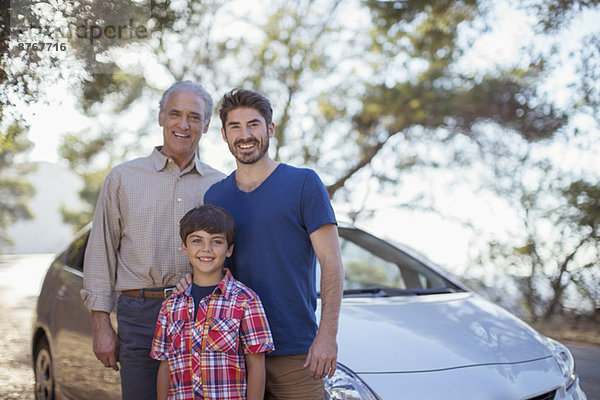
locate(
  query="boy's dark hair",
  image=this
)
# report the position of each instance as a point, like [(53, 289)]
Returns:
[(208, 218), (242, 98)]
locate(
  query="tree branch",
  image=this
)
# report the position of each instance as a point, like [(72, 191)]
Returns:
[(366, 160)]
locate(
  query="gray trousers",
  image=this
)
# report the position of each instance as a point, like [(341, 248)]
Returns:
[(136, 318)]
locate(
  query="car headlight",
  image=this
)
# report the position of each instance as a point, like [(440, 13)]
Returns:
[(565, 361), (346, 385)]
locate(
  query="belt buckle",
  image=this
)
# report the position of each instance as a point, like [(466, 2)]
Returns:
[(167, 292)]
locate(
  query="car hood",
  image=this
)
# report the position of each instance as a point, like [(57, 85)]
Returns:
[(432, 332)]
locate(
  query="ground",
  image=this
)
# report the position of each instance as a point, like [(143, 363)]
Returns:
[(16, 373), (572, 329)]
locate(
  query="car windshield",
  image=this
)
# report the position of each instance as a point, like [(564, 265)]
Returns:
[(373, 267)]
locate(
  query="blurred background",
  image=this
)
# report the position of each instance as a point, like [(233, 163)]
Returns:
[(468, 130)]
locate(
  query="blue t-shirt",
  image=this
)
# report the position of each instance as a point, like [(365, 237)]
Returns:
[(273, 254)]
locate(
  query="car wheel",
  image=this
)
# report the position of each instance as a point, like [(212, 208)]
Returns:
[(44, 374)]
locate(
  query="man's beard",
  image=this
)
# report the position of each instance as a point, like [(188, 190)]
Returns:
[(261, 149)]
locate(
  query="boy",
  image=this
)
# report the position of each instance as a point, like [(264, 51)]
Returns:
[(211, 339)]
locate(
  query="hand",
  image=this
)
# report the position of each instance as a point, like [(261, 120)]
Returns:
[(322, 357), (106, 342), (183, 284)]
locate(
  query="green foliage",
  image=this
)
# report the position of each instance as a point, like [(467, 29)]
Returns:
[(15, 191), (589, 73), (553, 250), (82, 153), (421, 29), (583, 206), (114, 81), (363, 275), (553, 14)]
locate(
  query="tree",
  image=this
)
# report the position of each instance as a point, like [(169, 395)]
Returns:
[(14, 190), (33, 36), (580, 215), (553, 251), (553, 248), (331, 116), (82, 155), (553, 14), (589, 73)]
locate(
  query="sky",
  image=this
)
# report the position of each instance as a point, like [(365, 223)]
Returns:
[(442, 240)]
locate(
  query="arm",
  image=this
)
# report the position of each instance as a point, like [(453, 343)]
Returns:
[(162, 381), (99, 275), (256, 338), (255, 368), (106, 343), (100, 261), (159, 349), (322, 354)]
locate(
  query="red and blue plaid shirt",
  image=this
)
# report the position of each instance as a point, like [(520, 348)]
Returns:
[(206, 352)]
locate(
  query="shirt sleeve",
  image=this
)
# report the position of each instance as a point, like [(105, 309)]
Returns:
[(255, 334), (315, 203), (100, 262), (160, 343)]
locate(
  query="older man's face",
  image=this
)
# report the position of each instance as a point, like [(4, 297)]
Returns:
[(183, 124)]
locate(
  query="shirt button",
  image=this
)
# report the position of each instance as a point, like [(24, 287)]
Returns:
[(179, 199), (195, 354)]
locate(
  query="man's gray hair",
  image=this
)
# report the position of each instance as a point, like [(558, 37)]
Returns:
[(192, 87)]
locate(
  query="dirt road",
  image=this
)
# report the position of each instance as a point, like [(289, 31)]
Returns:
[(20, 280)]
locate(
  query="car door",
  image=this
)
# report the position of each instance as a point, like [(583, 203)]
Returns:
[(77, 371)]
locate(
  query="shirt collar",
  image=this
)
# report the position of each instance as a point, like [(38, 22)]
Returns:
[(224, 286), (160, 161)]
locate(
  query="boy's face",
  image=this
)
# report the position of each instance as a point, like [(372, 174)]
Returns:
[(207, 253)]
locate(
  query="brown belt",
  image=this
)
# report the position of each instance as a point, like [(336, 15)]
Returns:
[(149, 293)]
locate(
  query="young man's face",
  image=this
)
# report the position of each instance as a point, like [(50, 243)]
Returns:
[(183, 124), (247, 134), (207, 253)]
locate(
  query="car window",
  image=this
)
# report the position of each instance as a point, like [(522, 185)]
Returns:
[(76, 251), (372, 264), (363, 268)]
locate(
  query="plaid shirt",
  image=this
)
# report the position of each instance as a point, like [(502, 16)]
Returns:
[(206, 354)]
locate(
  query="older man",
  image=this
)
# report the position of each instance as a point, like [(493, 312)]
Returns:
[(133, 251)]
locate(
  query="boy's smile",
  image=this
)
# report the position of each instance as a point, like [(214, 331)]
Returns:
[(207, 253)]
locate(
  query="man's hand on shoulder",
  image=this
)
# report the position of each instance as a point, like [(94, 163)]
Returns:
[(322, 356), (183, 284)]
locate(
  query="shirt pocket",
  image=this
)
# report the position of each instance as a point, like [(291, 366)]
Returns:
[(176, 334), (223, 335)]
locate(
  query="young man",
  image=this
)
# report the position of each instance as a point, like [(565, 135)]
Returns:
[(133, 249), (211, 339), (283, 217)]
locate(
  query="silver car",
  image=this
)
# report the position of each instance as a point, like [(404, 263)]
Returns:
[(407, 331)]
